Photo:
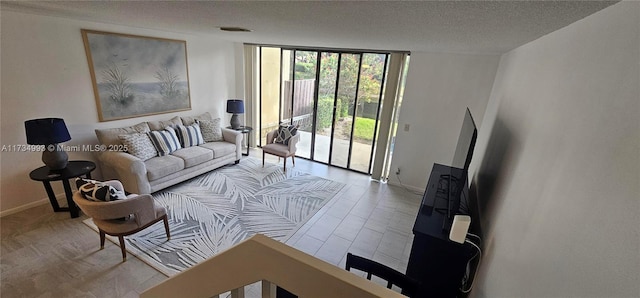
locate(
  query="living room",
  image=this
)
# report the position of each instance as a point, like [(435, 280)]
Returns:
[(557, 150)]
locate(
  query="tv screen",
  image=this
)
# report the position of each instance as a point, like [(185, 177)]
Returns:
[(461, 160), (466, 143), (454, 183)]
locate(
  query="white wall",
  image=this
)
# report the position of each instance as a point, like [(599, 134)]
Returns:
[(45, 74), (438, 89), (558, 157)]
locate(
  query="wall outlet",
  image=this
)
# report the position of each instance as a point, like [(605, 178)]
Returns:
[(406, 127), (398, 171)]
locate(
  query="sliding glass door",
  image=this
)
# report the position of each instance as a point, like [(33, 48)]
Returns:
[(333, 96)]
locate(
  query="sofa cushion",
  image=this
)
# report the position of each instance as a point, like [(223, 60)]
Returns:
[(211, 130), (192, 119), (165, 141), (160, 125), (161, 166), (138, 145), (220, 149), (193, 155), (189, 135), (109, 136)]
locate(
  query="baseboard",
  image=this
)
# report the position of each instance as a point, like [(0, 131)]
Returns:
[(409, 187), (30, 205)]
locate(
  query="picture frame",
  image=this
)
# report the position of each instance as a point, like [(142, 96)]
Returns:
[(136, 76)]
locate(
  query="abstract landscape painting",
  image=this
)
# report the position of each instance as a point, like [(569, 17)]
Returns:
[(137, 75)]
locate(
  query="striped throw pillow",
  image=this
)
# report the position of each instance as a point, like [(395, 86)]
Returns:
[(165, 141), (190, 135)]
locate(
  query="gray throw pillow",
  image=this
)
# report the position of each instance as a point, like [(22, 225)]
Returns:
[(138, 145), (211, 130)]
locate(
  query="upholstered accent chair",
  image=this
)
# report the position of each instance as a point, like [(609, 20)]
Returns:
[(122, 217), (281, 150)]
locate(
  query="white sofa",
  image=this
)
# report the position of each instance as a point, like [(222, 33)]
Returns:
[(156, 173)]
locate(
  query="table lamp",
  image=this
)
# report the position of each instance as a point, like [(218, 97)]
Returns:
[(49, 132), (235, 106)]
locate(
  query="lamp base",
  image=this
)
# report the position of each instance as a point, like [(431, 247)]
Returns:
[(235, 121), (55, 159)]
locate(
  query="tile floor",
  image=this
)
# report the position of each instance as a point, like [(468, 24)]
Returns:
[(47, 254)]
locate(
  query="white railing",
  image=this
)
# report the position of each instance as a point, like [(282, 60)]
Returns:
[(260, 258)]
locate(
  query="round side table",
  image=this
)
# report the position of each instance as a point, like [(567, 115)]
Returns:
[(247, 131), (75, 168)]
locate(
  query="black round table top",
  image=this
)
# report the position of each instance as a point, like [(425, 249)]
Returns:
[(242, 129), (75, 168)]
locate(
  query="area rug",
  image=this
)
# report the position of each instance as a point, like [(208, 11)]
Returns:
[(216, 210)]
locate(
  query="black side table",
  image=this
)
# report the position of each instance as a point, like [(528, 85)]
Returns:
[(244, 130), (74, 169)]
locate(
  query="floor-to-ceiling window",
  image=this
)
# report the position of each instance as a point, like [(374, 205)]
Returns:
[(334, 96)]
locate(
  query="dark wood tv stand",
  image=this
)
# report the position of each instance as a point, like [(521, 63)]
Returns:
[(436, 261)]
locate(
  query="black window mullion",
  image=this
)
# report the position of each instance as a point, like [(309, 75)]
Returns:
[(355, 105), (335, 103), (375, 127), (315, 107)]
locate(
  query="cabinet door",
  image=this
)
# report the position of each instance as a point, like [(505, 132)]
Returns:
[(439, 264)]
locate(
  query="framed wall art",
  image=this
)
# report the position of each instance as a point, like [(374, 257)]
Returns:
[(136, 75)]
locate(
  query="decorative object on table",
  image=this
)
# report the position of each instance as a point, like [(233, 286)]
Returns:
[(282, 142), (137, 75), (235, 107), (75, 168), (49, 132), (214, 211)]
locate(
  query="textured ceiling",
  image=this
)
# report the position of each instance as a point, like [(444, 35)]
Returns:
[(439, 26)]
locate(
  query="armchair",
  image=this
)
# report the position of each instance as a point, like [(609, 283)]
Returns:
[(122, 217), (281, 150)]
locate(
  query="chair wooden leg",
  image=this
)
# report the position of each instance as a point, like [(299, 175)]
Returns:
[(285, 164), (166, 227), (293, 159), (102, 236), (122, 248), (263, 159)]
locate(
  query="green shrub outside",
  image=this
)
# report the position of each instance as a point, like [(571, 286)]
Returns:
[(364, 128), (325, 111)]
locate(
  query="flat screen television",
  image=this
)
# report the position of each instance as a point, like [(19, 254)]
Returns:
[(461, 160), (452, 185), (466, 143)]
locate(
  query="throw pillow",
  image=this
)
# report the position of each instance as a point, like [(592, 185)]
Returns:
[(82, 181), (211, 130), (138, 145), (160, 125), (100, 192), (285, 132), (189, 135), (192, 119), (165, 141)]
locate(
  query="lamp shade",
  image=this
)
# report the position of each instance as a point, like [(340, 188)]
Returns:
[(235, 106), (46, 131)]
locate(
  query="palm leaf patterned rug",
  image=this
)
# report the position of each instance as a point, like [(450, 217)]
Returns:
[(216, 210)]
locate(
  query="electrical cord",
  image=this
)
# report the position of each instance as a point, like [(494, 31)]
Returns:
[(407, 189), (479, 255)]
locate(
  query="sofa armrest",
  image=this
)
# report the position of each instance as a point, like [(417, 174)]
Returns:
[(234, 137), (129, 170)]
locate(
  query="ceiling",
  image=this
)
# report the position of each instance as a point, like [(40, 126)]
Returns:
[(433, 26)]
